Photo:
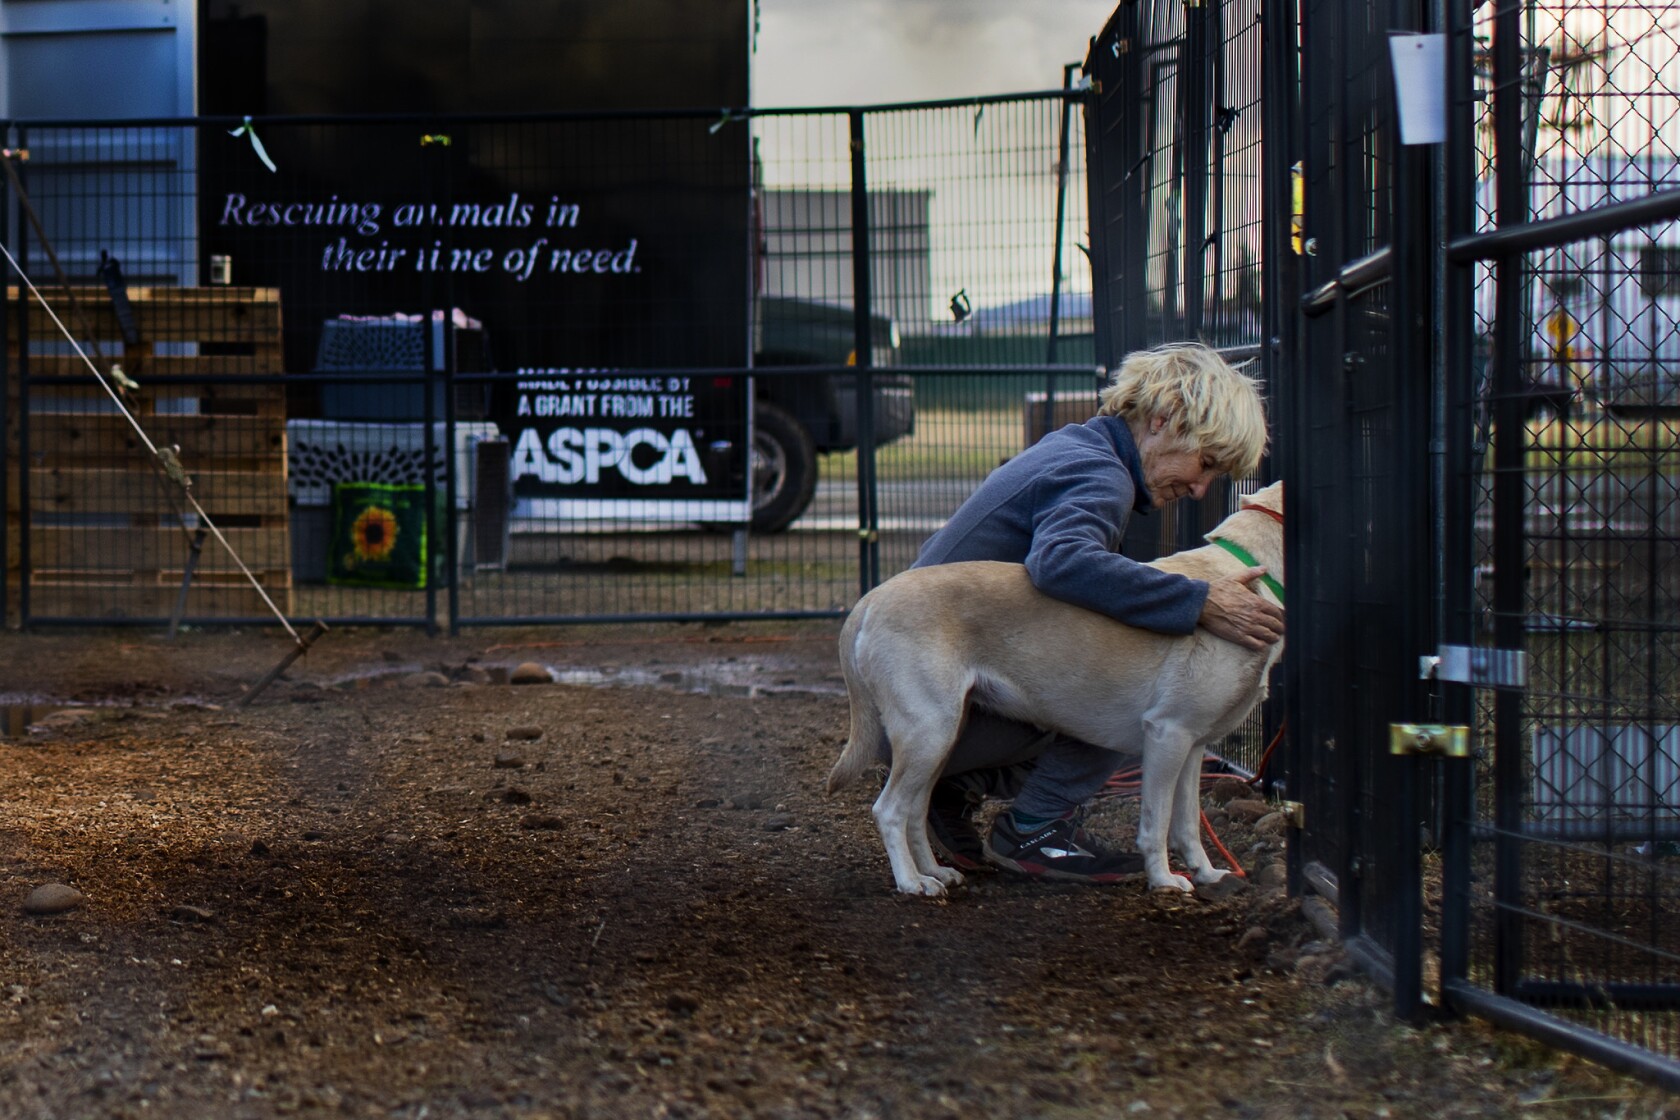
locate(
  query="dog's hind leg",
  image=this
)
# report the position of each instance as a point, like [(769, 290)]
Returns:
[(1167, 748), (1185, 835), (901, 816), (919, 752)]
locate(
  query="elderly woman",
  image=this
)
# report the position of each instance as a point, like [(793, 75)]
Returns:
[(1173, 420)]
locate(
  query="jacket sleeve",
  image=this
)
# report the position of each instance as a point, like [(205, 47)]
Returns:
[(1078, 526)]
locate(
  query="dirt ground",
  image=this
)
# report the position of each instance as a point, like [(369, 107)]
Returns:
[(398, 885)]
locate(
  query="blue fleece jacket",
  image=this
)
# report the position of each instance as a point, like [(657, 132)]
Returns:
[(1061, 507)]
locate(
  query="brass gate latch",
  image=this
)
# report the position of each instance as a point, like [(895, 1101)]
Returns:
[(1445, 739)]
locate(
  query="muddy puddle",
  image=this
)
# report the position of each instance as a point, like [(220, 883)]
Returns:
[(24, 715)]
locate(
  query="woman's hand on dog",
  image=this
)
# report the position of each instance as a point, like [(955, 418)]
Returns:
[(1234, 612)]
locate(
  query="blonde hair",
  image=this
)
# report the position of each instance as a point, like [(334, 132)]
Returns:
[(1207, 404)]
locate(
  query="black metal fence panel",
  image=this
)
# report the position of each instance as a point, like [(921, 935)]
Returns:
[(559, 368), (1357, 431), (1566, 890), (1178, 237)]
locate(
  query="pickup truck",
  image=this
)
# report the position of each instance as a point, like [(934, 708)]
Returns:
[(799, 416)]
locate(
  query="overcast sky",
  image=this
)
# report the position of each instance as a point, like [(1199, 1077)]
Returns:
[(844, 52)]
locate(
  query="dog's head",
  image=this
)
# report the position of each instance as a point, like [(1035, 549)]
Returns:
[(1261, 536), (1271, 498)]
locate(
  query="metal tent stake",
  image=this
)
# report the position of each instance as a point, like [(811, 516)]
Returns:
[(298, 651), (195, 549)]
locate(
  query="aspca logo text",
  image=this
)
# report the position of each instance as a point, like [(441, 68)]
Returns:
[(643, 456)]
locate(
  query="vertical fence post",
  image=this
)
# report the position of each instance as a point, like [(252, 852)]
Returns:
[(1193, 139), (869, 545), (428, 450), (1456, 513), (1193, 132), (1412, 326), (430, 379), (8, 371), (1132, 190), (1211, 255), (24, 515), (1280, 298), (1056, 253), (1509, 497), (451, 483)]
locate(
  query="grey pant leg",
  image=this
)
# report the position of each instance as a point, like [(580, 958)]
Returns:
[(990, 741), (1068, 774), (1062, 774)]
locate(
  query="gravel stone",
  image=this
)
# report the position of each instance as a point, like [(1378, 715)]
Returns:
[(1230, 789), (1221, 889), (530, 672), (52, 898), (1247, 809)]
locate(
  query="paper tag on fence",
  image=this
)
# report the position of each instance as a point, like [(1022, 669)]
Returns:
[(1420, 86)]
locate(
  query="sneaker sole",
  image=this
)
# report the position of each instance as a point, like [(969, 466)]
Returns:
[(1044, 871), (961, 863)]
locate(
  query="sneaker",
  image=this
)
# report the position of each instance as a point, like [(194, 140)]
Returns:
[(950, 830), (1059, 849)]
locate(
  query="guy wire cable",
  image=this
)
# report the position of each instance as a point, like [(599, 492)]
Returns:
[(170, 465)]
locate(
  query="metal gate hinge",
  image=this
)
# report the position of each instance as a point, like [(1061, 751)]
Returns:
[(1477, 665), (1294, 813), (1446, 739)]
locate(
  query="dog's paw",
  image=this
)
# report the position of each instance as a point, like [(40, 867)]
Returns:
[(926, 886), (1172, 883)]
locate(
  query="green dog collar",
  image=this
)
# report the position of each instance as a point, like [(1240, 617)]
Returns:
[(1241, 553)]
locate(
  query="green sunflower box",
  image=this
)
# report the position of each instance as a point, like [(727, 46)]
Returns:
[(379, 535)]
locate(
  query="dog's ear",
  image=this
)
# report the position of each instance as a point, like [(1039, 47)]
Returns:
[(1271, 497)]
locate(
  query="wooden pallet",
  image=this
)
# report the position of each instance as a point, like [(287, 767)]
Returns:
[(105, 537)]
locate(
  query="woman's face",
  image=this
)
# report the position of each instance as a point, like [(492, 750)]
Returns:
[(1171, 469)]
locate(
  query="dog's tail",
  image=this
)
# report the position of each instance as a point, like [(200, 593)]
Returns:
[(865, 747)]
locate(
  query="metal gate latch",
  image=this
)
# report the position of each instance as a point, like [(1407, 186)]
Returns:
[(1445, 739), (1477, 665)]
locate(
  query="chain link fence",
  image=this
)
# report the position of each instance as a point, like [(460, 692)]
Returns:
[(1572, 806)]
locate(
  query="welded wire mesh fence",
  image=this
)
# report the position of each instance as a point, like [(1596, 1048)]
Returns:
[(568, 368), (1358, 432)]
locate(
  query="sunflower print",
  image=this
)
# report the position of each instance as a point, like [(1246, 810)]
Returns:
[(372, 537)]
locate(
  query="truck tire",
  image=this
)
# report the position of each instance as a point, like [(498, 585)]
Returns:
[(784, 469)]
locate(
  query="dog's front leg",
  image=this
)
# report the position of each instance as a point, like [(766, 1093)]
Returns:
[(1166, 748), (1186, 832), (901, 816)]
